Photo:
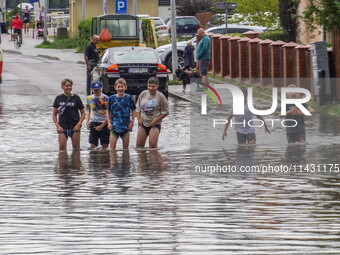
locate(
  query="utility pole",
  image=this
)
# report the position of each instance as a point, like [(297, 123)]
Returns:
[(4, 9), (134, 7), (47, 6), (174, 39), (84, 9)]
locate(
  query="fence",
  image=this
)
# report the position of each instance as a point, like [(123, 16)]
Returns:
[(262, 62)]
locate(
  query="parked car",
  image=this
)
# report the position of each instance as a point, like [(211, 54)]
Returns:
[(160, 27), (186, 26), (165, 51), (235, 28), (216, 20), (135, 64)]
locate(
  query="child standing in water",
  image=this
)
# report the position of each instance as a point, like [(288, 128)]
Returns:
[(295, 133), (118, 115), (244, 132), (152, 107), (97, 104), (67, 107)]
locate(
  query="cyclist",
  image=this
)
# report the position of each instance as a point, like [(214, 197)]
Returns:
[(17, 25)]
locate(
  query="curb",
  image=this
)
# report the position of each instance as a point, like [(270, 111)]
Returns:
[(48, 57), (12, 52), (179, 96), (174, 94)]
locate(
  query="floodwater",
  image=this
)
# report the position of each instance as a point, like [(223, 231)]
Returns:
[(153, 201)]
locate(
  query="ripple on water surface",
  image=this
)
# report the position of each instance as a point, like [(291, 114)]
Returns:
[(154, 202)]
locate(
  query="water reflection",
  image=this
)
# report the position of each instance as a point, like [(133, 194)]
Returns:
[(151, 161), (120, 164), (67, 164), (328, 125), (296, 154), (68, 167)]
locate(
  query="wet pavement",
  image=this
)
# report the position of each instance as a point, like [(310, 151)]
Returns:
[(154, 201)]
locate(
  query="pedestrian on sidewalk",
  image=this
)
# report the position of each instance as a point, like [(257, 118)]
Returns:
[(152, 107), (26, 19), (97, 105), (295, 124), (203, 54), (40, 18), (188, 55), (67, 107), (244, 132), (91, 57), (118, 115)]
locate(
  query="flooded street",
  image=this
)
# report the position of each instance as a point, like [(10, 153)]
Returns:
[(153, 201)]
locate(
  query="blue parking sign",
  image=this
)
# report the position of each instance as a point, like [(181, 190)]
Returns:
[(121, 7)]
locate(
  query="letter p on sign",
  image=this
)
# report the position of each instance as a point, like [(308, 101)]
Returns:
[(121, 7)]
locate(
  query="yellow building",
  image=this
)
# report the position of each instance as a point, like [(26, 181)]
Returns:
[(95, 8), (305, 35)]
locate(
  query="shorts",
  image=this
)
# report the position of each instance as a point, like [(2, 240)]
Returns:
[(243, 138), (119, 134), (103, 135), (68, 132), (17, 31), (295, 137), (147, 129), (203, 66)]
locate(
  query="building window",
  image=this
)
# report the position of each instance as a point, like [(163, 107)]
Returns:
[(164, 2), (59, 4), (10, 4)]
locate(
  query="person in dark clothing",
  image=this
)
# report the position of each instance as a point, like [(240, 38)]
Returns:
[(295, 130), (91, 57), (26, 19), (66, 108), (189, 61)]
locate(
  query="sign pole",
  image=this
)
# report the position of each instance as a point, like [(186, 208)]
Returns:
[(104, 7), (134, 7), (84, 9), (174, 39), (45, 19)]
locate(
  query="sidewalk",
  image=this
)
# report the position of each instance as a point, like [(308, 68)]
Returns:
[(28, 48)]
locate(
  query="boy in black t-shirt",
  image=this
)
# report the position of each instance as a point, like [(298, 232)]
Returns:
[(296, 133), (67, 107)]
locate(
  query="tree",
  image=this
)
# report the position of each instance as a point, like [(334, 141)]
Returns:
[(260, 12), (324, 13), (289, 18), (191, 7)]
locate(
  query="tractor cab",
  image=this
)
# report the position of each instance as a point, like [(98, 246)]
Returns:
[(116, 30)]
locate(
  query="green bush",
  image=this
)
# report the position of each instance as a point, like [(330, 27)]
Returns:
[(84, 29), (11, 14), (274, 36), (148, 34)]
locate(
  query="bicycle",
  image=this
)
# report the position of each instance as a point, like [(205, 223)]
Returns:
[(16, 38)]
